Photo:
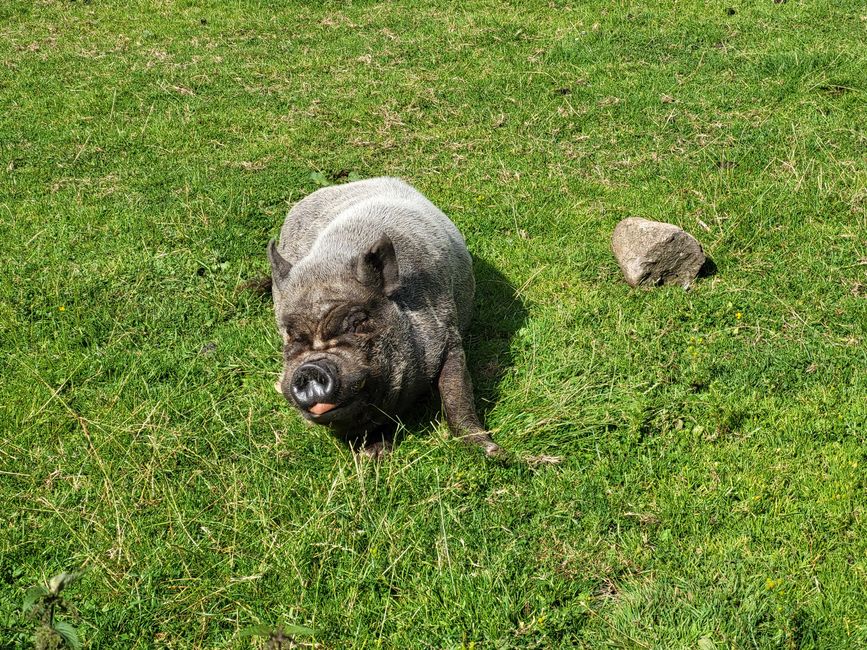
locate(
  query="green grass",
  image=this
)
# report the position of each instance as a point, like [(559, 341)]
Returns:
[(712, 492)]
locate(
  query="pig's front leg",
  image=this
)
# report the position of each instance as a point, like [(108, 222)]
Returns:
[(456, 391), (376, 444)]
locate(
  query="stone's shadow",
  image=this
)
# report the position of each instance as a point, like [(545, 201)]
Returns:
[(498, 314), (707, 269)]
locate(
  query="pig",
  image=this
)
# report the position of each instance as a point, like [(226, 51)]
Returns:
[(373, 292)]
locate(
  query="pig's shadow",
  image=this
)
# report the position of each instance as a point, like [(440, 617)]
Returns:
[(498, 313)]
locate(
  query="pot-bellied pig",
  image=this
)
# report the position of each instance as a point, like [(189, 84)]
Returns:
[(373, 292)]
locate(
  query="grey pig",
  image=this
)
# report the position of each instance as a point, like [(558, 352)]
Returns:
[(373, 292)]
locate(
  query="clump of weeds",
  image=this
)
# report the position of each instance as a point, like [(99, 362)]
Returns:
[(281, 637), (44, 602)]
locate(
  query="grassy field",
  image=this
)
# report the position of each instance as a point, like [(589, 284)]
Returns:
[(712, 492)]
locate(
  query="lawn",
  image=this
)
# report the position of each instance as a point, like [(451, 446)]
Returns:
[(712, 489)]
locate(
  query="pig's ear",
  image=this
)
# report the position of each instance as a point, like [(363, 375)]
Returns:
[(279, 267), (377, 268)]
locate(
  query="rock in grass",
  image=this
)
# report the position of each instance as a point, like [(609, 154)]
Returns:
[(651, 253)]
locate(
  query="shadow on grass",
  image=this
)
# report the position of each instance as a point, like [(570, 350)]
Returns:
[(499, 313), (707, 269)]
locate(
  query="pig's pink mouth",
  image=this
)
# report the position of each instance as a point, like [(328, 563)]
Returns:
[(336, 412), (321, 408)]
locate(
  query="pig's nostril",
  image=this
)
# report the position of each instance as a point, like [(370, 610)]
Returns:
[(314, 383)]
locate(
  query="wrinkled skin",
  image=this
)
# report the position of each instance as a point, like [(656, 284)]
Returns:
[(373, 290)]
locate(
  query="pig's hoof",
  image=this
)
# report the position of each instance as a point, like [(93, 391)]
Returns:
[(374, 450), (493, 450), (483, 440)]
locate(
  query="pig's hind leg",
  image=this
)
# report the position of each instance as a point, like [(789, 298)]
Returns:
[(456, 390)]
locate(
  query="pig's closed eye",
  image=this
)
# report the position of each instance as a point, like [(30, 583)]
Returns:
[(356, 323)]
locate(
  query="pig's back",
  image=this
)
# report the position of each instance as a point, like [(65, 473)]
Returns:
[(328, 230)]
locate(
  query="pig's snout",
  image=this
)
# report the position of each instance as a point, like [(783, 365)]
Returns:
[(315, 383)]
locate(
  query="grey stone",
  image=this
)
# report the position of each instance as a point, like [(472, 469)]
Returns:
[(651, 253)]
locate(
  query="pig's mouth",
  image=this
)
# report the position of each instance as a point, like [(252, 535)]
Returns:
[(328, 413), (324, 395), (321, 408), (322, 413)]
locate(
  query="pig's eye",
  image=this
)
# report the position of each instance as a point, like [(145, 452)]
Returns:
[(355, 322)]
